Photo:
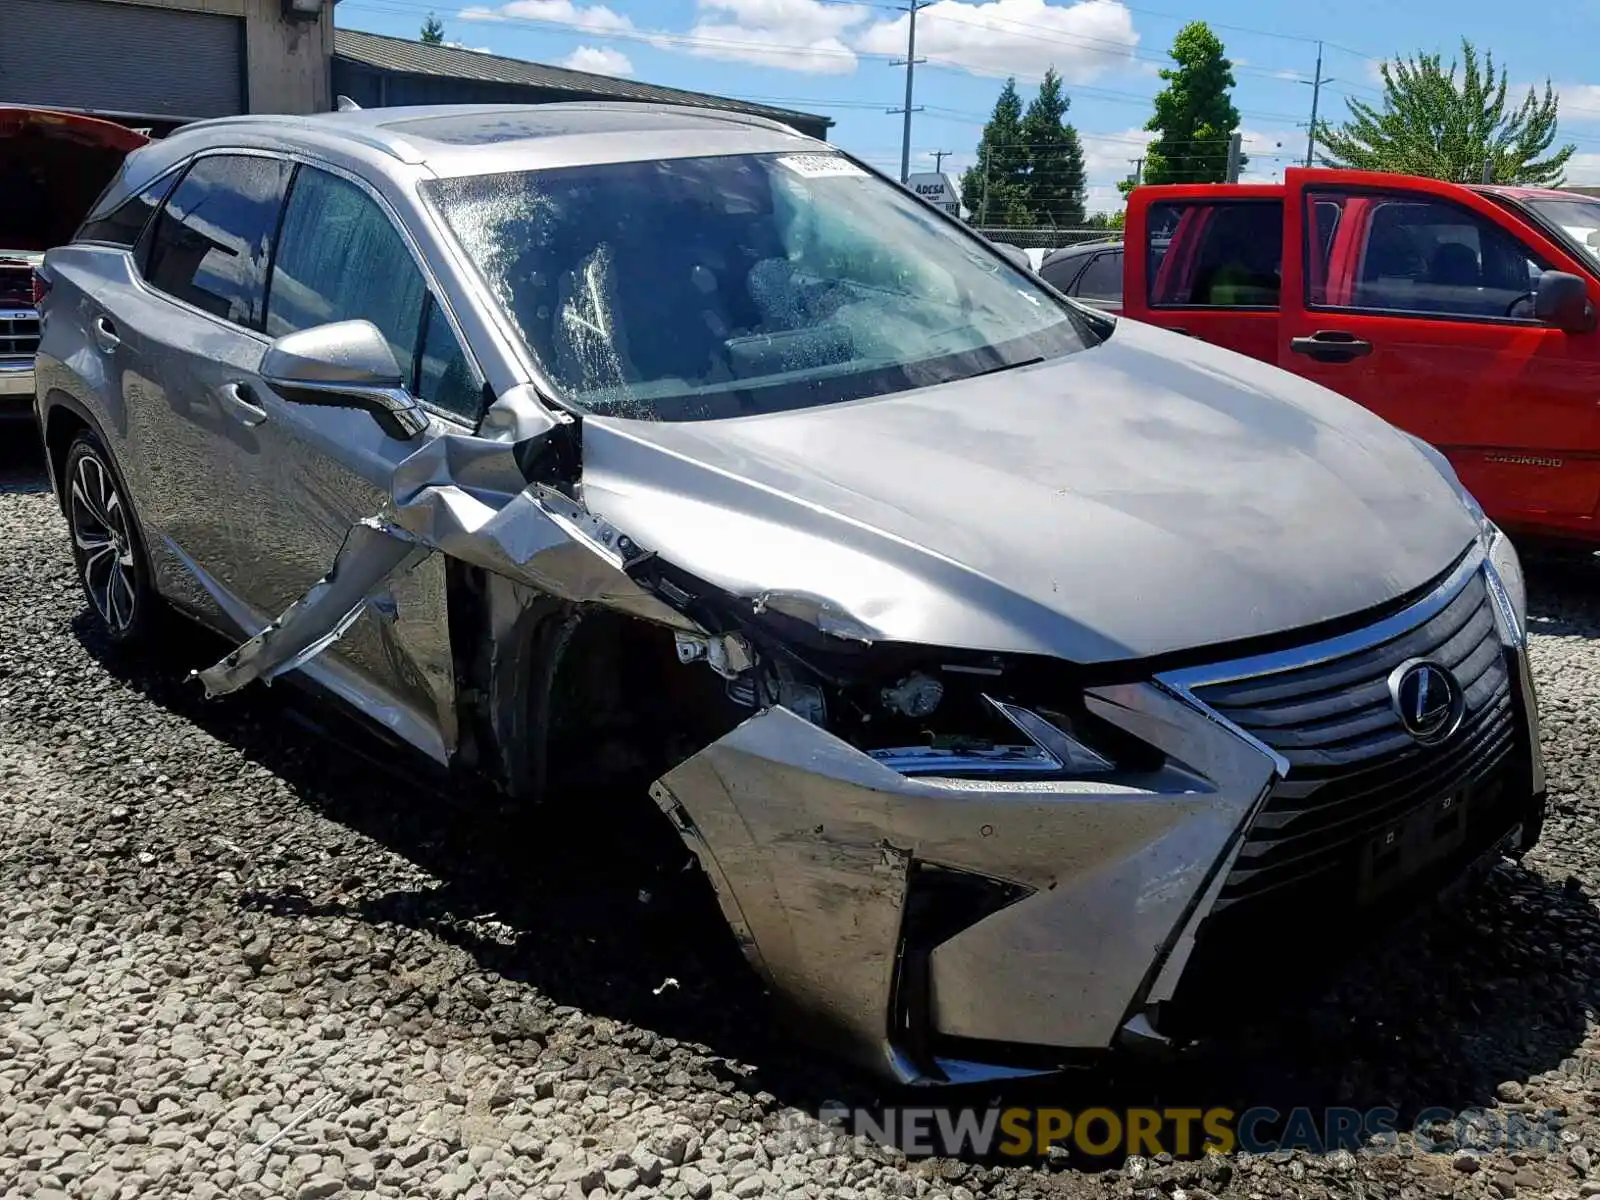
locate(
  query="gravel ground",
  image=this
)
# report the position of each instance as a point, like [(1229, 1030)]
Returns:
[(240, 958)]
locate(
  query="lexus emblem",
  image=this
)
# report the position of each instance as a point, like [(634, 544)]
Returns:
[(1427, 699)]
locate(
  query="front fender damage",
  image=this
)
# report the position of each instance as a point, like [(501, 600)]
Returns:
[(474, 499), (910, 922), (914, 924)]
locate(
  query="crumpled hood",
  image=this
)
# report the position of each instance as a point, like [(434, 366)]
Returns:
[(1146, 495)]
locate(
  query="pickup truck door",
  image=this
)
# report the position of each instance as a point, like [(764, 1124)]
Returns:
[(1415, 299), (1204, 261)]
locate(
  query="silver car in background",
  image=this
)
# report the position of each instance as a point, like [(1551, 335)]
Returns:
[(1009, 669)]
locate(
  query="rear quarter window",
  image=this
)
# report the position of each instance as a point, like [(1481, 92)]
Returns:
[(124, 223)]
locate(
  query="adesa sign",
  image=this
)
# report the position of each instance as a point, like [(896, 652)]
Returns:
[(937, 190)]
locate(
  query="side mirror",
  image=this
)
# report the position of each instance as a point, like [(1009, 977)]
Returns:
[(1017, 255), (1562, 300), (346, 364)]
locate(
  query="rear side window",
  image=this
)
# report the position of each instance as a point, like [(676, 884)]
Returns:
[(213, 240), (1215, 254), (123, 224), (1103, 278)]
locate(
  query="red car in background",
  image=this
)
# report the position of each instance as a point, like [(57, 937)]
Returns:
[(1465, 315), (52, 167)]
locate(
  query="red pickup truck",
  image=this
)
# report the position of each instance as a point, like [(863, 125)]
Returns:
[(1464, 315)]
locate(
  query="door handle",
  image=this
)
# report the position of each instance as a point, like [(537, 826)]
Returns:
[(105, 334), (1331, 346), (240, 401)]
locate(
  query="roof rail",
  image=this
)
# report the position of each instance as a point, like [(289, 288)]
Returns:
[(388, 143), (732, 116)]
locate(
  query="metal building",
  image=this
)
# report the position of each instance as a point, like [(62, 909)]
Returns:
[(377, 71), (163, 62)]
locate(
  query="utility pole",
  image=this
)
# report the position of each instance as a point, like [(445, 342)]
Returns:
[(1316, 95), (1138, 171), (983, 205), (911, 66), (1235, 155), (938, 160)]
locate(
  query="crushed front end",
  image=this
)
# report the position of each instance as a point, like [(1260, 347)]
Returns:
[(1083, 870)]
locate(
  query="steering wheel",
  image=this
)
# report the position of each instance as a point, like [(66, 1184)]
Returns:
[(1525, 298)]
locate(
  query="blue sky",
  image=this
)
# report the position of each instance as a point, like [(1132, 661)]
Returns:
[(834, 57)]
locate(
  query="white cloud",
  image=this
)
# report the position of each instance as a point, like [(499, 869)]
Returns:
[(474, 49), (795, 35), (596, 18), (1580, 102), (601, 60), (1015, 37), (1583, 169), (1108, 157), (1269, 152)]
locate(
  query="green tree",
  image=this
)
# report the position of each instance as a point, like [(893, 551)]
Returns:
[(1055, 184), (1195, 116), (1431, 124), (432, 31), (1112, 221), (995, 188)]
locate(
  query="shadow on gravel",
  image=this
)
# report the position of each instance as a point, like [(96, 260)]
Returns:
[(1563, 594), (21, 459), (601, 911), (601, 916)]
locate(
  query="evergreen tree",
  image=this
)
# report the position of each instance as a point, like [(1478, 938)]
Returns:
[(1055, 183), (1431, 125), (1195, 116), (433, 31), (995, 189)]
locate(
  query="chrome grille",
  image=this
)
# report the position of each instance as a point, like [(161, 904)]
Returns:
[(1353, 769), (19, 333)]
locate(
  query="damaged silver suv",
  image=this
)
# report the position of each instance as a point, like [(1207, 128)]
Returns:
[(1007, 668)]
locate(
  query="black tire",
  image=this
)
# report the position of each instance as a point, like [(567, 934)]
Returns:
[(107, 550)]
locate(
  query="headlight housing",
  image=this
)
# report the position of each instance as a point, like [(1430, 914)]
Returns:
[(1505, 577)]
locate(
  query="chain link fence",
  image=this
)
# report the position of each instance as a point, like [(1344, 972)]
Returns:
[(1047, 239)]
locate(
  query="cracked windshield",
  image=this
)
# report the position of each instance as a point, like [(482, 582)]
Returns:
[(688, 289)]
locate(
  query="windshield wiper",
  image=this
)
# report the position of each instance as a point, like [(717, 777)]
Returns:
[(995, 370)]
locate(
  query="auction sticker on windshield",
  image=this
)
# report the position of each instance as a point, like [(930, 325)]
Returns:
[(820, 166)]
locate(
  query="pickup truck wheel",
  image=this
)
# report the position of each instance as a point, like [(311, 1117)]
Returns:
[(106, 547)]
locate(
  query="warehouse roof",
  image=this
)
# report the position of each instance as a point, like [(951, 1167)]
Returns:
[(418, 58)]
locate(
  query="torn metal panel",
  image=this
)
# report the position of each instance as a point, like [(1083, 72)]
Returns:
[(809, 838), (370, 554), (469, 498), (335, 675)]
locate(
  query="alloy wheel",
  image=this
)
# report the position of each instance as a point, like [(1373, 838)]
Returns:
[(100, 530)]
